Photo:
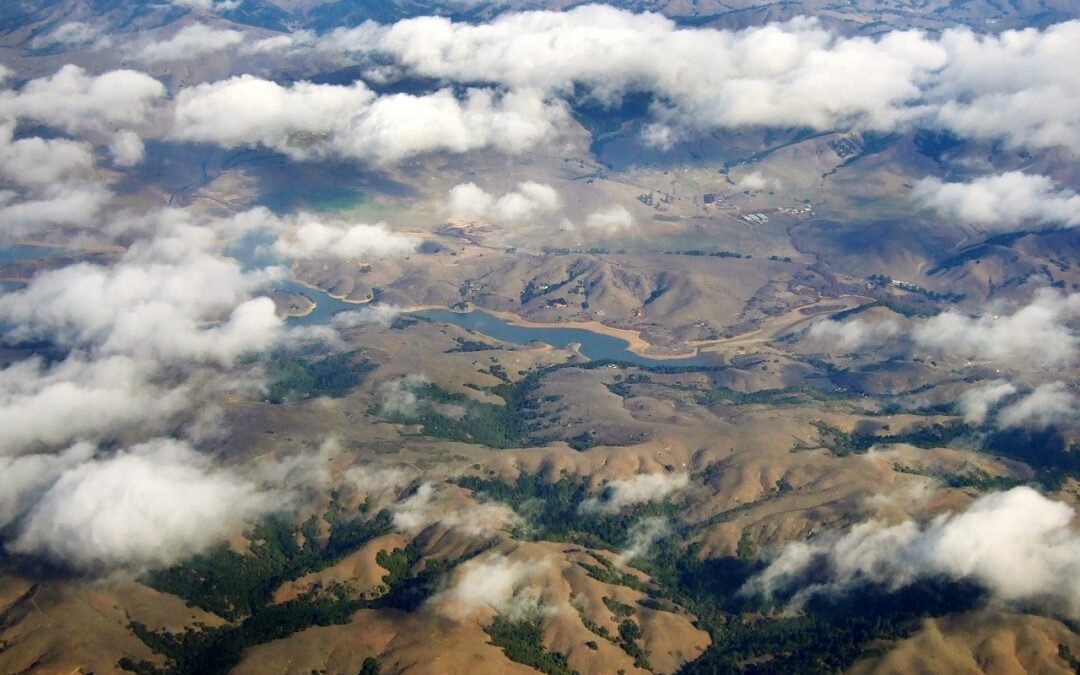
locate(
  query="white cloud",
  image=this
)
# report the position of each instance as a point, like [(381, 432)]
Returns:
[(427, 507), (207, 5), (659, 136), (492, 583), (312, 238), (127, 148), (397, 398), (42, 163), (73, 34), (643, 536), (190, 42), (612, 219), (66, 205), (367, 479), (468, 200), (247, 110), (296, 40), (1011, 85), (795, 74), (149, 336), (1019, 544), (853, 334), (645, 487), (77, 398), (789, 75), (369, 314), (976, 403), (148, 506), (28, 475), (413, 511), (75, 101), (57, 183), (755, 181), (1008, 200), (1050, 403), (529, 201), (309, 120), (172, 298), (1036, 334)]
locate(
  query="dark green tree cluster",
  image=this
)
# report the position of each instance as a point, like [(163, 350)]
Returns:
[(234, 585), (934, 435), (1044, 450), (516, 424), (293, 378), (554, 509), (214, 651), (523, 642)]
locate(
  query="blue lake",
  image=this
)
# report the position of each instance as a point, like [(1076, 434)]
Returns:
[(326, 306), (22, 252), (594, 346)]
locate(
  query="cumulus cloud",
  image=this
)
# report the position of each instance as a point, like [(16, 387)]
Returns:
[(755, 181), (44, 405), (308, 471), (382, 315), (147, 506), (612, 219), (427, 507), (529, 201), (151, 340), (28, 475), (1007, 200), (189, 42), (73, 34), (644, 487), (127, 148), (308, 120), (59, 205), (41, 163), (149, 337), (1036, 334), (789, 75), (294, 41), (493, 583), (795, 74), (207, 5), (659, 136), (312, 238), (1048, 404), (975, 404), (852, 334), (75, 101), (643, 536), (413, 511), (56, 181), (155, 303), (370, 480), (1011, 86), (1019, 544), (397, 398)]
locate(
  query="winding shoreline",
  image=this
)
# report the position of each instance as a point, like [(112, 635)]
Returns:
[(633, 339)]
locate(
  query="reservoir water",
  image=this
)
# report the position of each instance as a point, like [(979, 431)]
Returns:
[(326, 306), (253, 252), (23, 252), (594, 346)]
